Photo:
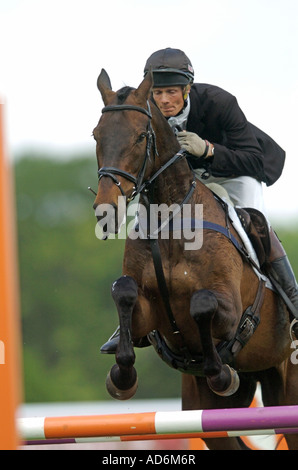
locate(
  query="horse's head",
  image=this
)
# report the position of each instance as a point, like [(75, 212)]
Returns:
[(125, 147)]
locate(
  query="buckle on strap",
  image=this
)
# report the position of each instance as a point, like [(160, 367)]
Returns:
[(250, 321)]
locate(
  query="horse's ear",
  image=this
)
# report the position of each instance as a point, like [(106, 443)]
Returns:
[(143, 91), (104, 86)]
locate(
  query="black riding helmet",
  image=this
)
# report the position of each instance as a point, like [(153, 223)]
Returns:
[(170, 67)]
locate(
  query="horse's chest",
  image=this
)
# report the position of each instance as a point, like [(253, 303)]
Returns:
[(179, 279)]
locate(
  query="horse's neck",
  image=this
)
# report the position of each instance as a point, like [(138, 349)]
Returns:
[(173, 184)]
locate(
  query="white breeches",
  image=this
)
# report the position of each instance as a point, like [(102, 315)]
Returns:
[(244, 191)]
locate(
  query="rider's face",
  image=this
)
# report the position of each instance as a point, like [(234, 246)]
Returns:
[(169, 100)]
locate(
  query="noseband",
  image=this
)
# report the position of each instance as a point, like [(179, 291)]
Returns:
[(111, 172)]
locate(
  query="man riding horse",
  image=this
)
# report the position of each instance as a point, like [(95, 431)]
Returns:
[(223, 147)]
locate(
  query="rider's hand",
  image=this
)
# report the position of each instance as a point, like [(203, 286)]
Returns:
[(192, 143)]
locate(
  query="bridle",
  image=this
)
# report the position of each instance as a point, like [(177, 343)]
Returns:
[(111, 172), (139, 184)]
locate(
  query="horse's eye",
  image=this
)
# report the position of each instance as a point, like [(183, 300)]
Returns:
[(141, 137)]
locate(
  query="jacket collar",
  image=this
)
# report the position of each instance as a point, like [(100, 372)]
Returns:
[(197, 111)]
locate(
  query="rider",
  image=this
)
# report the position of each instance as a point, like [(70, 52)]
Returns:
[(224, 148)]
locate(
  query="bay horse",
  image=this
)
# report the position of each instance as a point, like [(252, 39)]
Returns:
[(198, 307)]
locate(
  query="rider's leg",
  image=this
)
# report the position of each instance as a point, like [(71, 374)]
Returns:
[(245, 191), (282, 271)]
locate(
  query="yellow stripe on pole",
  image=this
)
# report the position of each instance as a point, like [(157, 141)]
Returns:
[(10, 376)]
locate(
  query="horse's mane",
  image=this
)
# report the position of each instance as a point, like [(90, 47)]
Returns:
[(123, 93)]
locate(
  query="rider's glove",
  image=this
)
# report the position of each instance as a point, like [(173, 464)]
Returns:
[(192, 143)]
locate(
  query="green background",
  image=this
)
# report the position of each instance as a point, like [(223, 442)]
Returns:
[(66, 275)]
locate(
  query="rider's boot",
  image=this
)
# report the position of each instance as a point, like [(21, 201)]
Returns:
[(111, 345), (281, 270)]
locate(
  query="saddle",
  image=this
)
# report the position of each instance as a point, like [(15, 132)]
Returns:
[(253, 222), (256, 227)]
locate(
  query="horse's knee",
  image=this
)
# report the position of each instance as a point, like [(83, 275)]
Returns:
[(122, 380), (221, 379), (125, 291), (203, 305)]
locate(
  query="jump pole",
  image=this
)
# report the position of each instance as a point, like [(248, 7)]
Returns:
[(273, 420), (157, 437), (10, 376)]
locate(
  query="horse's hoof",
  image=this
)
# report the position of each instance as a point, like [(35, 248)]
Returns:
[(117, 393), (233, 386)]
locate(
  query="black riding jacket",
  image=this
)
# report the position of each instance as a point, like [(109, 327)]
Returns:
[(240, 148)]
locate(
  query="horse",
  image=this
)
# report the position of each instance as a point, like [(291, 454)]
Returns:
[(206, 310)]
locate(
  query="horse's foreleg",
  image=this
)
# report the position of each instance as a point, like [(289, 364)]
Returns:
[(122, 380), (221, 378)]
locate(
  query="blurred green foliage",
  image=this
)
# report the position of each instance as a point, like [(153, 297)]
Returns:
[(65, 276)]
